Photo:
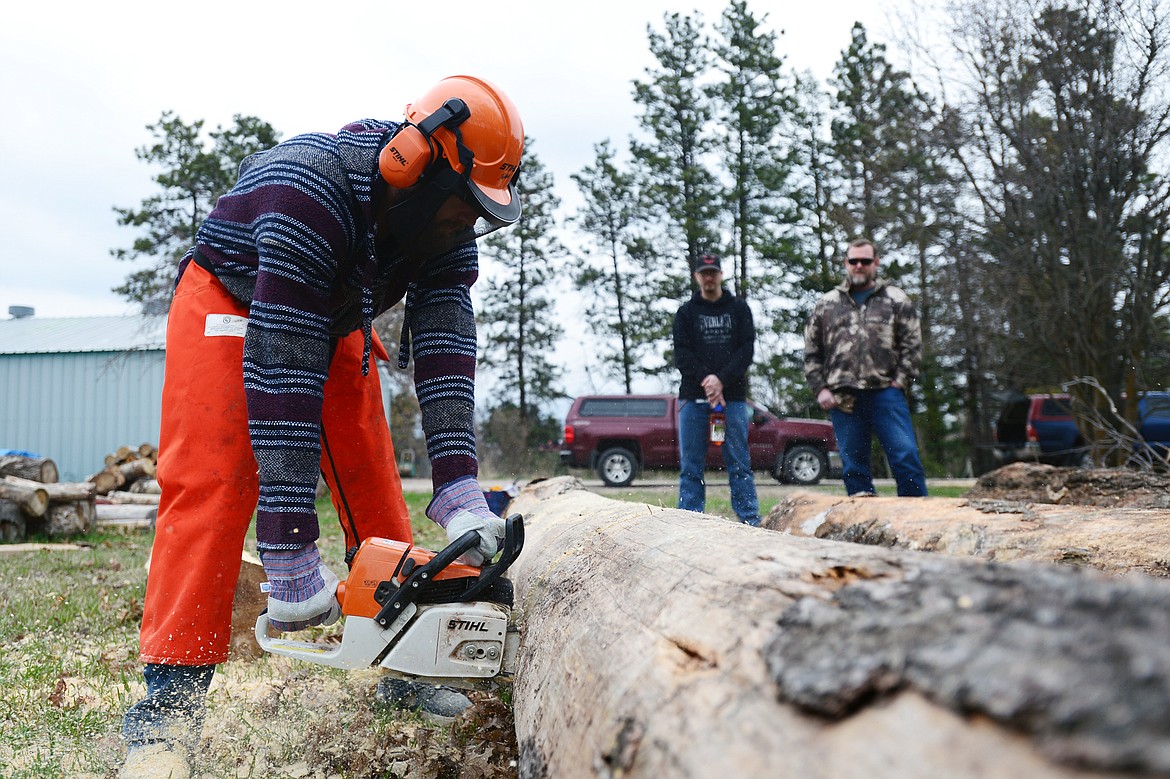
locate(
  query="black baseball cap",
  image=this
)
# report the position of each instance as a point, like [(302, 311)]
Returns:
[(708, 262)]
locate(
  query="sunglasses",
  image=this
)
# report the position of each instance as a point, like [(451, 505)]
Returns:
[(862, 260)]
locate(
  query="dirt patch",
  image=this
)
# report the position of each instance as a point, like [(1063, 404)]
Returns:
[(1106, 487)]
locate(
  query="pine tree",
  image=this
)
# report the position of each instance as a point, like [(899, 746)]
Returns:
[(194, 173), (617, 294), (519, 328), (751, 107), (672, 160), (873, 119)]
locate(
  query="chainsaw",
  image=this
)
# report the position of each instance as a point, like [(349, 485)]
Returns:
[(420, 614)]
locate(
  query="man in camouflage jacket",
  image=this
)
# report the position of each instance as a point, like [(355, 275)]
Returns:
[(862, 349)]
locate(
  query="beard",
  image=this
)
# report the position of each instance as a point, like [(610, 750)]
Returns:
[(857, 280)]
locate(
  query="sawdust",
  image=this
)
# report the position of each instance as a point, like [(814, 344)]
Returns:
[(276, 717), (1104, 487)]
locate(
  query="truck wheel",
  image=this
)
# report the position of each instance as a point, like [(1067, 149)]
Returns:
[(803, 465), (617, 467)]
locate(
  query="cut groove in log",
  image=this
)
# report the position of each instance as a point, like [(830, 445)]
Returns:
[(659, 642), (1112, 540)]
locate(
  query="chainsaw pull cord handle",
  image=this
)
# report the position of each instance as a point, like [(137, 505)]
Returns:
[(421, 577)]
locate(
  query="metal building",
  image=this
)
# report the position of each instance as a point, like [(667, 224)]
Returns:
[(74, 389)]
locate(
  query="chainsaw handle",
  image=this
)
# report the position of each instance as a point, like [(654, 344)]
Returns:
[(421, 577), (513, 543)]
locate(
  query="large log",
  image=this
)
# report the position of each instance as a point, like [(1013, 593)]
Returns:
[(132, 471), (70, 518), (134, 498), (70, 510), (1116, 540), (63, 491), (33, 501), (13, 523), (124, 516), (146, 486), (40, 469), (659, 642), (107, 480)]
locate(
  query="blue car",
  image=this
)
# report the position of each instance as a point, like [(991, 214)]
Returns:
[(1042, 428)]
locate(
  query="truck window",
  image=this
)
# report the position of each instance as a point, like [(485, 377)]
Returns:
[(1157, 407), (623, 407), (1055, 408)]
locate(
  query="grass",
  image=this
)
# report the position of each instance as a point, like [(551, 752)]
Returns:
[(70, 668), (719, 500)]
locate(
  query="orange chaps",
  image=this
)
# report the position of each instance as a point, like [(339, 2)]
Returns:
[(208, 472)]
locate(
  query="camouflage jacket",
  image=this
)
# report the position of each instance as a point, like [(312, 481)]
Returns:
[(864, 347)]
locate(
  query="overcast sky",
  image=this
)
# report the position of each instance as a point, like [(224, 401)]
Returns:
[(80, 82)]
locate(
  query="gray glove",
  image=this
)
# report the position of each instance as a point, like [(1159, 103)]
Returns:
[(491, 535), (302, 591)]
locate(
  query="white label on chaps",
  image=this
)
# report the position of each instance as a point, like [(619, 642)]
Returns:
[(225, 324)]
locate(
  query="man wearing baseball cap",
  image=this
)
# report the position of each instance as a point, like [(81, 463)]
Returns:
[(714, 341)]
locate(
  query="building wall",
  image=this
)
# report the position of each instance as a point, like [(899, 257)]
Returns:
[(77, 408)]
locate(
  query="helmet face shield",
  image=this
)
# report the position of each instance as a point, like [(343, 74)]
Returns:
[(492, 210), (443, 212)]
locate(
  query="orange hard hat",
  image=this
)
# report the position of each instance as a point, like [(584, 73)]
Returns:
[(492, 132)]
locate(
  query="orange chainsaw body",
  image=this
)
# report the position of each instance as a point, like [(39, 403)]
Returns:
[(378, 560)]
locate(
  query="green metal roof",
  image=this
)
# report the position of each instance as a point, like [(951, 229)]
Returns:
[(71, 335)]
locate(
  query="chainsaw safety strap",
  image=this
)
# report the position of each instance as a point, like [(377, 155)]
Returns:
[(207, 471)]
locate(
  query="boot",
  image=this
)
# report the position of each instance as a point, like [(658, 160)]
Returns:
[(162, 729), (435, 703)]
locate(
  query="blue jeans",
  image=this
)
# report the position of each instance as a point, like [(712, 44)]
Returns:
[(172, 710), (883, 412), (694, 427)]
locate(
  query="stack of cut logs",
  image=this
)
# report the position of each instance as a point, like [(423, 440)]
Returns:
[(32, 501)]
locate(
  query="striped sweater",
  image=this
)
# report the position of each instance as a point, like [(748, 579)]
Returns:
[(293, 240)]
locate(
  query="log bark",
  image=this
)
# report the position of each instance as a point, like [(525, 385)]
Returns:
[(60, 491), (147, 486), (134, 498), (107, 480), (40, 469), (124, 516), (134, 470), (70, 518), (33, 501), (13, 523), (658, 643), (1112, 540)]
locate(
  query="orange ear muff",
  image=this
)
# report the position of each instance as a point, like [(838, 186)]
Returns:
[(406, 157)]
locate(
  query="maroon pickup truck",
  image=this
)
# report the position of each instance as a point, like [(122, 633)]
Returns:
[(622, 435)]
